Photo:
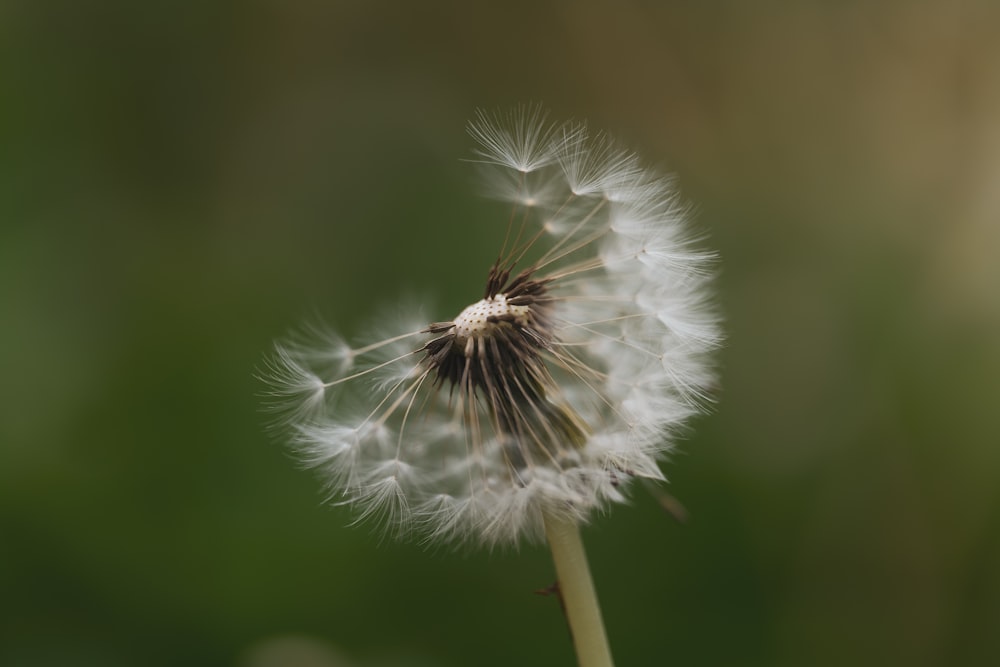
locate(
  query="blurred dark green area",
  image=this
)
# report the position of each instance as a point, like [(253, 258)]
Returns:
[(181, 183)]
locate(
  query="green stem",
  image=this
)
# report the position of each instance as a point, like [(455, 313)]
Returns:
[(577, 591)]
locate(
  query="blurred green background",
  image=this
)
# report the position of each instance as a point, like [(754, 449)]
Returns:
[(181, 183)]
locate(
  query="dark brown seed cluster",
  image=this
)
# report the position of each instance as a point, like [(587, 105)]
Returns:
[(500, 365)]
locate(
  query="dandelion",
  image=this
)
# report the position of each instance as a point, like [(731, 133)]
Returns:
[(539, 403)]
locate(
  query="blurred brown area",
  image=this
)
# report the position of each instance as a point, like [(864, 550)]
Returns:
[(180, 183)]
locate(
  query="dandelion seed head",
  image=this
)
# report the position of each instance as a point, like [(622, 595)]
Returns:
[(585, 355)]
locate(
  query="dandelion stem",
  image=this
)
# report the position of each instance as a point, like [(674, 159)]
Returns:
[(577, 590)]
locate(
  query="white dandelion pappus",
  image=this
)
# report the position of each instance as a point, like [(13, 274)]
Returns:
[(569, 377)]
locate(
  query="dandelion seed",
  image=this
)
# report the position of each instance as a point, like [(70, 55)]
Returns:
[(568, 378)]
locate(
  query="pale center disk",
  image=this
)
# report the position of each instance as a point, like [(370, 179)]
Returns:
[(474, 321)]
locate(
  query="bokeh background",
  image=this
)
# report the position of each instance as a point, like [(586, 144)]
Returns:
[(181, 183)]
